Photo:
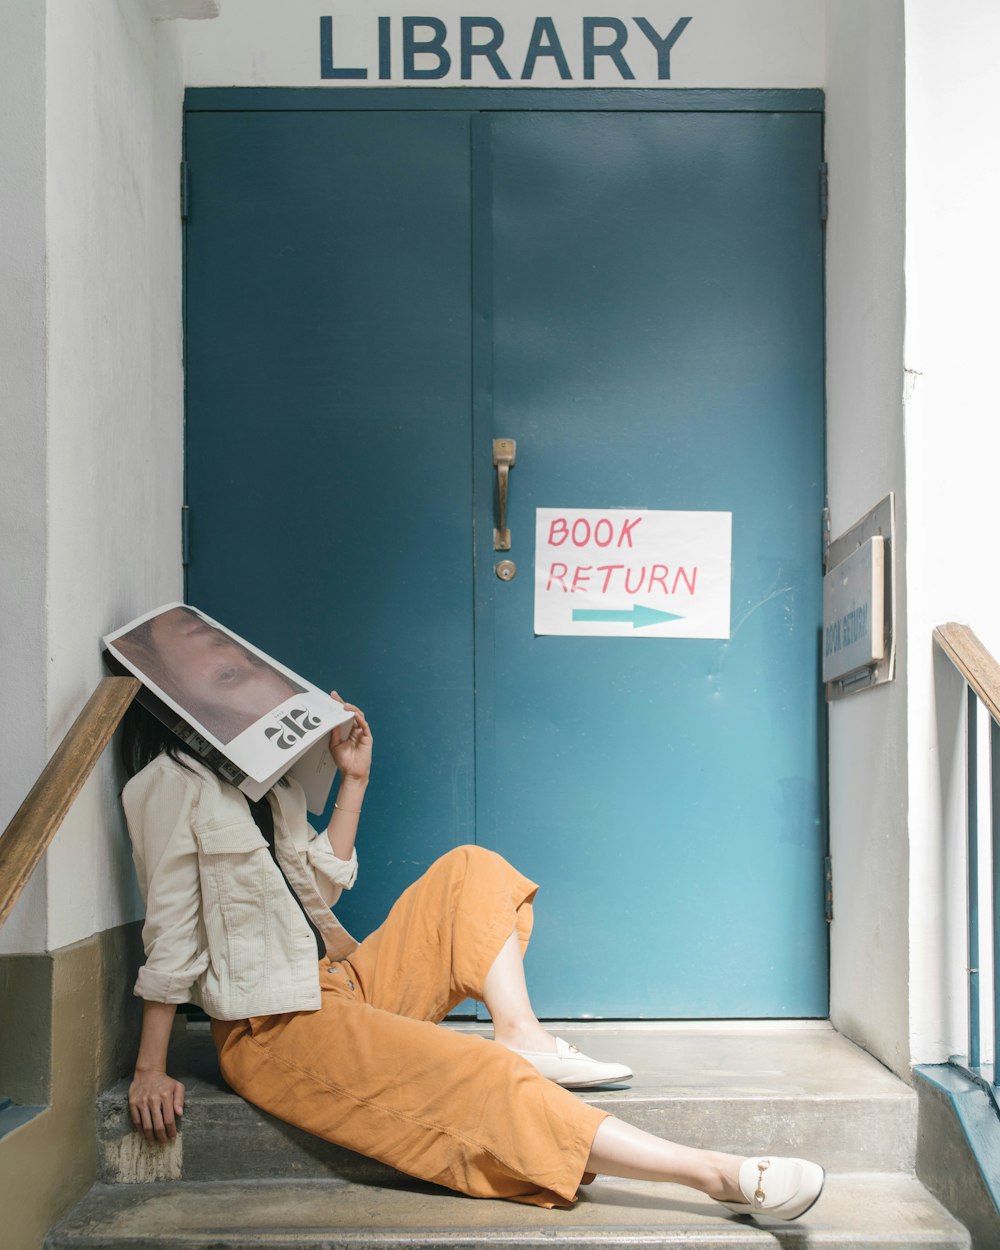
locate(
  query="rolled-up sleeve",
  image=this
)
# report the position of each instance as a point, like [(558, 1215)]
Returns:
[(333, 873), (160, 808)]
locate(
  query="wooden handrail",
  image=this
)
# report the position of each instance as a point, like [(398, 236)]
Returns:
[(973, 661), (36, 821)]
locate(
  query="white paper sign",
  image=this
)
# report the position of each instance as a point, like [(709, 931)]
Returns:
[(632, 572)]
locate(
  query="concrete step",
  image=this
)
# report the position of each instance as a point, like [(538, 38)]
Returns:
[(751, 1088), (856, 1212)]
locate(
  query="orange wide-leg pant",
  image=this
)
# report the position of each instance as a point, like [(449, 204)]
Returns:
[(373, 1070)]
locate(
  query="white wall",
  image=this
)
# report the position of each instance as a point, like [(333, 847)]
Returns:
[(924, 420), (865, 310), (115, 398), (953, 451), (729, 43), (91, 351), (90, 354), (102, 449), (855, 50), (22, 466)]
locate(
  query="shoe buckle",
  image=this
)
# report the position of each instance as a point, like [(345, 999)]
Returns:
[(759, 1196)]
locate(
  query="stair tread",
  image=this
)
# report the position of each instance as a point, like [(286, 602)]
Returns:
[(856, 1210), (746, 1089), (758, 1061)]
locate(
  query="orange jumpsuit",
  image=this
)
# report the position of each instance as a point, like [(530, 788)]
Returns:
[(373, 1071)]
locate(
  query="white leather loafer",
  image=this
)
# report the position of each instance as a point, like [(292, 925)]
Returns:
[(783, 1188), (570, 1067)]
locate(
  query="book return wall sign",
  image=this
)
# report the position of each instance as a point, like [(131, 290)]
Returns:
[(633, 573)]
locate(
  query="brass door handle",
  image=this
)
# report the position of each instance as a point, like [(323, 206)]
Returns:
[(504, 458)]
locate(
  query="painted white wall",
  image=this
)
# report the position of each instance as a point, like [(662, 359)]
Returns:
[(953, 450), (115, 396), (865, 449), (855, 49), (22, 466), (167, 10), (729, 43), (90, 126), (896, 760), (100, 419)]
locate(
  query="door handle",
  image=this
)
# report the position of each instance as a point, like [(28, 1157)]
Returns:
[(504, 458)]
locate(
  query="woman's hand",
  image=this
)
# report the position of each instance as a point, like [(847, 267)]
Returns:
[(154, 1102), (352, 750)]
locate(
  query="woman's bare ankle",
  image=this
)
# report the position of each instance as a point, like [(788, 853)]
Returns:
[(722, 1177), (524, 1035)]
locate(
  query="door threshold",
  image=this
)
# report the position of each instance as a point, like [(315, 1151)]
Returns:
[(661, 1026)]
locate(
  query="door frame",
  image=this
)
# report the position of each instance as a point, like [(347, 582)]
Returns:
[(488, 100), (501, 99)]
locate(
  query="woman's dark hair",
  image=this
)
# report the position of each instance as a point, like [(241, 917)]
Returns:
[(142, 737)]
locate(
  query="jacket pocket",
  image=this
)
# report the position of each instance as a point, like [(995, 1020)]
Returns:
[(236, 867)]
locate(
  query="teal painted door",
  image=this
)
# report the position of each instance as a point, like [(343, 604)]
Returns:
[(657, 343), (636, 298)]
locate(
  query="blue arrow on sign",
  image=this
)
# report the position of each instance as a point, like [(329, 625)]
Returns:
[(638, 614)]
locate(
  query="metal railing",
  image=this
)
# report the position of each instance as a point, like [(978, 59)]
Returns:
[(982, 676), (37, 820)]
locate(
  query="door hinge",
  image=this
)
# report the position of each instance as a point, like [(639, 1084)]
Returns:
[(185, 535), (824, 191), (185, 189), (825, 522), (828, 888)]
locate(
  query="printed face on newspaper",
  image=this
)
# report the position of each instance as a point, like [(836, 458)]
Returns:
[(260, 715)]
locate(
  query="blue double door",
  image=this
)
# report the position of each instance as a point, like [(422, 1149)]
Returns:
[(374, 294)]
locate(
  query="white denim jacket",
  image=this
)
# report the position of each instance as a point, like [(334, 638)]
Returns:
[(222, 929)]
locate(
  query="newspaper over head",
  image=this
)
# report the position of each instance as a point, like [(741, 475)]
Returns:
[(246, 715)]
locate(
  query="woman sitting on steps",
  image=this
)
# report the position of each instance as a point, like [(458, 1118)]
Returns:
[(350, 1048)]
